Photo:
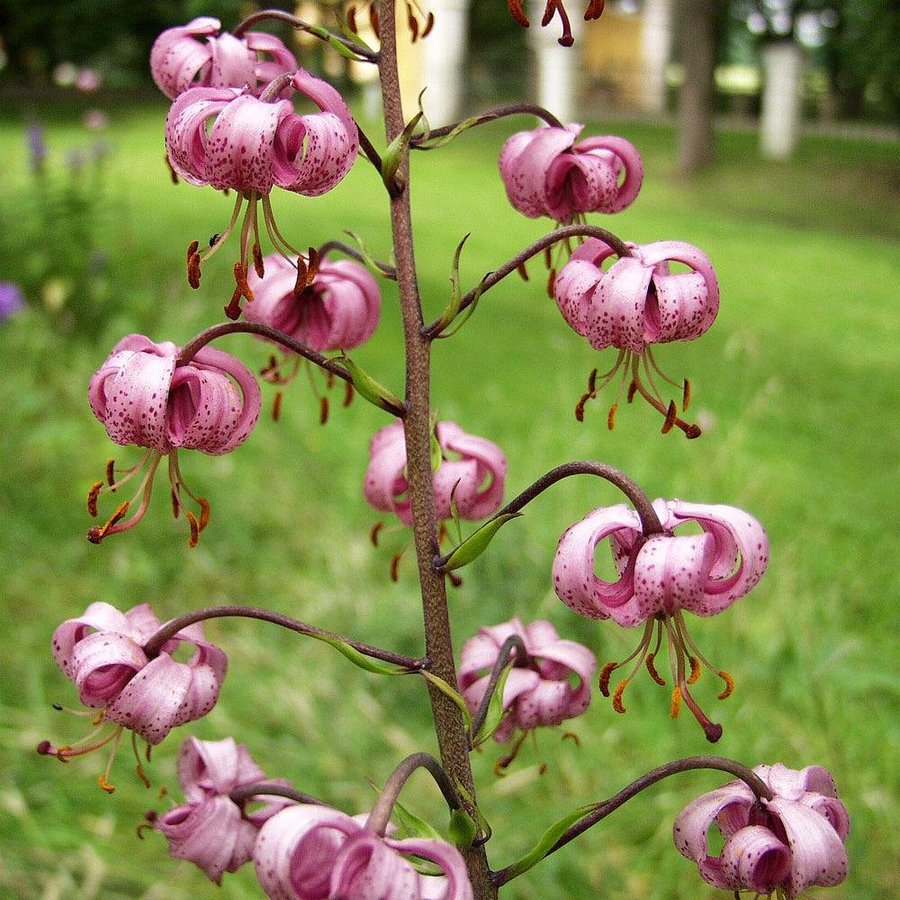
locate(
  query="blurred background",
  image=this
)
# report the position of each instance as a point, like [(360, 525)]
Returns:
[(769, 133)]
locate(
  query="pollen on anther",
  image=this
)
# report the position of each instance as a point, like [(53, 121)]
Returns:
[(111, 474), (611, 416), (373, 534), (696, 670), (617, 704), (105, 785), (93, 494), (194, 539), (675, 708), (729, 685), (651, 668), (323, 410), (605, 675), (671, 416)]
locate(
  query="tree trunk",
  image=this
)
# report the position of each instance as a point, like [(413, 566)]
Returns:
[(697, 46)]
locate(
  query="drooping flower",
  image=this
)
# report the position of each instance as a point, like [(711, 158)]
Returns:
[(547, 174), (200, 54), (635, 303), (102, 653), (210, 829), (337, 309), (144, 395), (314, 853), (471, 474), (232, 140), (785, 845), (539, 689), (659, 577)]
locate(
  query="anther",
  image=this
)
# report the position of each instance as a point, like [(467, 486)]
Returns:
[(233, 309), (618, 706), (105, 785), (194, 538), (611, 416), (111, 474), (570, 735), (605, 675), (412, 23), (455, 580), (395, 567), (686, 394), (523, 272), (671, 417), (632, 390), (323, 410), (193, 265), (729, 685), (429, 24), (240, 279), (93, 494), (651, 668), (302, 281), (675, 708), (594, 10), (176, 503), (312, 264), (373, 20), (548, 257), (258, 266), (351, 20), (696, 670), (348, 393), (551, 283), (516, 11), (373, 534), (276, 406)]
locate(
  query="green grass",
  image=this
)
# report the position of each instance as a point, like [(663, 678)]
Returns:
[(799, 378)]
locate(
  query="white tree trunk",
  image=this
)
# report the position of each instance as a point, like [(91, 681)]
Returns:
[(557, 68), (444, 57), (781, 115), (656, 47)]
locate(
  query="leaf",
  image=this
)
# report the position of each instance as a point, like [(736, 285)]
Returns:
[(476, 543), (376, 666), (463, 828), (369, 388), (450, 692), (495, 710), (413, 826)]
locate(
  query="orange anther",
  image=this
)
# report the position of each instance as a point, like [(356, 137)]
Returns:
[(618, 706), (258, 266), (675, 708), (696, 670), (651, 668), (93, 494), (671, 416), (605, 675), (611, 416), (729, 685), (105, 785)]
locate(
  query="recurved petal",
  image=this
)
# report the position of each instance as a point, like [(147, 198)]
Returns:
[(574, 578), (524, 162), (187, 141), (616, 314), (818, 856), (102, 664), (352, 305), (98, 616), (446, 857), (366, 867), (281, 61), (625, 157), (670, 573), (214, 767), (232, 64), (751, 859), (741, 552), (691, 828), (579, 183), (177, 58)]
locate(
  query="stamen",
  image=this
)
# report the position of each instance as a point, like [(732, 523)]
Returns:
[(323, 409), (93, 494), (618, 706), (349, 392), (351, 20), (675, 707), (605, 674), (412, 23), (516, 11), (276, 406), (611, 416), (258, 266), (193, 265), (373, 20), (652, 670), (570, 735), (594, 10), (695, 670), (97, 533), (506, 761), (111, 474), (729, 685), (551, 283), (429, 24), (686, 394), (105, 785), (302, 281), (671, 416), (240, 279), (632, 390), (455, 580), (548, 258), (194, 538), (395, 566), (374, 532), (523, 272)]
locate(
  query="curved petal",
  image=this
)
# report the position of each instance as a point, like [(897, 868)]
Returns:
[(741, 556), (232, 64), (98, 616), (574, 579), (446, 857), (751, 859), (818, 856), (626, 157), (670, 573), (281, 62), (103, 663), (187, 142), (367, 867), (579, 183), (385, 484), (691, 829), (524, 163), (177, 58), (616, 314), (476, 500)]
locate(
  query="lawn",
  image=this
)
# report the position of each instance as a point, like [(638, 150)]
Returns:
[(799, 385)]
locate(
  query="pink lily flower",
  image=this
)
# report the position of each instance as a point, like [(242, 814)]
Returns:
[(200, 54), (539, 690), (102, 653), (314, 853), (210, 829), (143, 395), (547, 174), (785, 845), (636, 303), (337, 310), (660, 576), (471, 474), (233, 140)]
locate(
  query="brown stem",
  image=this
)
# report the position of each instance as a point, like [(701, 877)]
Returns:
[(448, 721), (386, 269), (273, 334), (419, 142), (381, 812), (170, 629), (263, 789), (602, 809), (548, 240), (512, 643)]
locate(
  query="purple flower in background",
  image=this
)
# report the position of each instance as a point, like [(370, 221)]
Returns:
[(784, 845), (200, 54), (551, 685), (95, 120), (317, 853), (11, 299), (37, 147), (88, 80), (547, 174), (209, 828), (143, 395), (659, 577)]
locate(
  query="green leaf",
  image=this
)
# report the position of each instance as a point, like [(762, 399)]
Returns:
[(495, 709), (377, 666), (476, 543), (546, 843), (367, 256), (398, 147), (463, 828), (413, 826), (450, 692), (369, 388)]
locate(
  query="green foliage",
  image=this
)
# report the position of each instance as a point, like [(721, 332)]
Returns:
[(799, 380)]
